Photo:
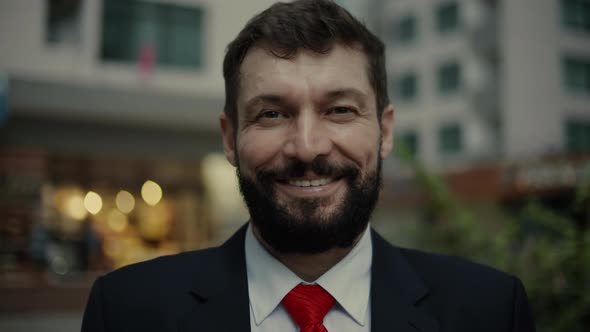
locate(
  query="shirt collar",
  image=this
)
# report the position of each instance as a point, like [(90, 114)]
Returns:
[(269, 280)]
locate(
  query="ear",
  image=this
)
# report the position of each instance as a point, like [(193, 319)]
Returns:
[(387, 118), (229, 143)]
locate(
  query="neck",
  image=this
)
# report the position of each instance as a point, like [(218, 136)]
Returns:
[(308, 267)]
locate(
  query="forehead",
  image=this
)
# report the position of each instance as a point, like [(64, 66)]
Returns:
[(307, 72)]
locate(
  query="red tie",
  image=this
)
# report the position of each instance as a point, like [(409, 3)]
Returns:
[(307, 305)]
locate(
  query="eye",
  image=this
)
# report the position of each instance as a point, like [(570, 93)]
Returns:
[(267, 117), (269, 114), (341, 110), (342, 113)]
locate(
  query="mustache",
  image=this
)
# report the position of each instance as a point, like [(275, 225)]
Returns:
[(320, 166)]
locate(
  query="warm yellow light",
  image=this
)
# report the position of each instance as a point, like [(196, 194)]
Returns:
[(74, 207), (93, 202), (125, 201), (154, 222), (151, 192), (117, 221)]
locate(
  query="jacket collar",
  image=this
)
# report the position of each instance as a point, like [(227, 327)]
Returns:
[(221, 291), (396, 290)]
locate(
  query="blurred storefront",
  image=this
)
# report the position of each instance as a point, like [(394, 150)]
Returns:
[(82, 197), (67, 219), (555, 181)]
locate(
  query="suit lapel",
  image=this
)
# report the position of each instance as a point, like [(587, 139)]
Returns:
[(395, 292), (221, 301), (220, 290)]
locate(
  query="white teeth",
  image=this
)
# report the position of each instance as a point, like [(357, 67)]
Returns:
[(309, 183)]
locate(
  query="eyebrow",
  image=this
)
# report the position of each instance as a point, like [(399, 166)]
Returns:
[(332, 94), (352, 93), (356, 94), (268, 98)]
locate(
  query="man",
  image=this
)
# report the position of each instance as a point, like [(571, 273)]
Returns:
[(307, 123)]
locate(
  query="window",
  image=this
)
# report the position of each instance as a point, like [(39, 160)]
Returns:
[(407, 144), (406, 87), (578, 136), (170, 33), (63, 22), (576, 75), (449, 78), (447, 17), (450, 139), (404, 30), (575, 14)]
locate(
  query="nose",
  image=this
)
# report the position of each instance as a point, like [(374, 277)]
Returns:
[(307, 139)]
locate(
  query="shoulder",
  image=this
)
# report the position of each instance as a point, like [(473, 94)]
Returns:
[(462, 292), (150, 295), (155, 295), (178, 268), (452, 272), (466, 286), (166, 279), (181, 270), (439, 270)]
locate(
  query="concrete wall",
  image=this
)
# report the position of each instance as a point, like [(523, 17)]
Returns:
[(531, 78), (27, 56), (431, 110), (25, 51), (524, 79)]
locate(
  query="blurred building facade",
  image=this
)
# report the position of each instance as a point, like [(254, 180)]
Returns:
[(152, 64), (489, 79), (493, 95), (109, 142)]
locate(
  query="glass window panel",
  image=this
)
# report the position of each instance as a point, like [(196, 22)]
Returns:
[(63, 22), (404, 30), (450, 139), (174, 32), (407, 144), (406, 87), (449, 78), (578, 136), (576, 74), (575, 14), (447, 17)]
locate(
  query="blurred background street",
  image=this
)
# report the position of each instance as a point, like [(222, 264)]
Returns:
[(110, 151)]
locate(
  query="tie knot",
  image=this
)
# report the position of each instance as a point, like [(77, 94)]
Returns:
[(308, 304)]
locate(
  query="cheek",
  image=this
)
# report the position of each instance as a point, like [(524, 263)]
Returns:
[(365, 154), (361, 147), (256, 150)]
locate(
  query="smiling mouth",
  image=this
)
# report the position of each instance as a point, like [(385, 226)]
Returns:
[(311, 183)]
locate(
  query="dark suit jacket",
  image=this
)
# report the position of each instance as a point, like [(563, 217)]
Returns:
[(208, 291)]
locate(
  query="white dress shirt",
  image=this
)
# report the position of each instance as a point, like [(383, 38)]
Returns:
[(349, 282)]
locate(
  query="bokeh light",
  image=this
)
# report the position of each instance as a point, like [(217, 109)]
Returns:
[(117, 221), (93, 202), (74, 207), (125, 201), (151, 192)]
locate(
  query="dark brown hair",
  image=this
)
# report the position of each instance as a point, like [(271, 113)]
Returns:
[(316, 25)]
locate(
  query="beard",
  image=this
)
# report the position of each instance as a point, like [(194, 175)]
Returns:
[(298, 225)]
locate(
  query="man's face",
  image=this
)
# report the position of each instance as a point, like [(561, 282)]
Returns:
[(308, 147)]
